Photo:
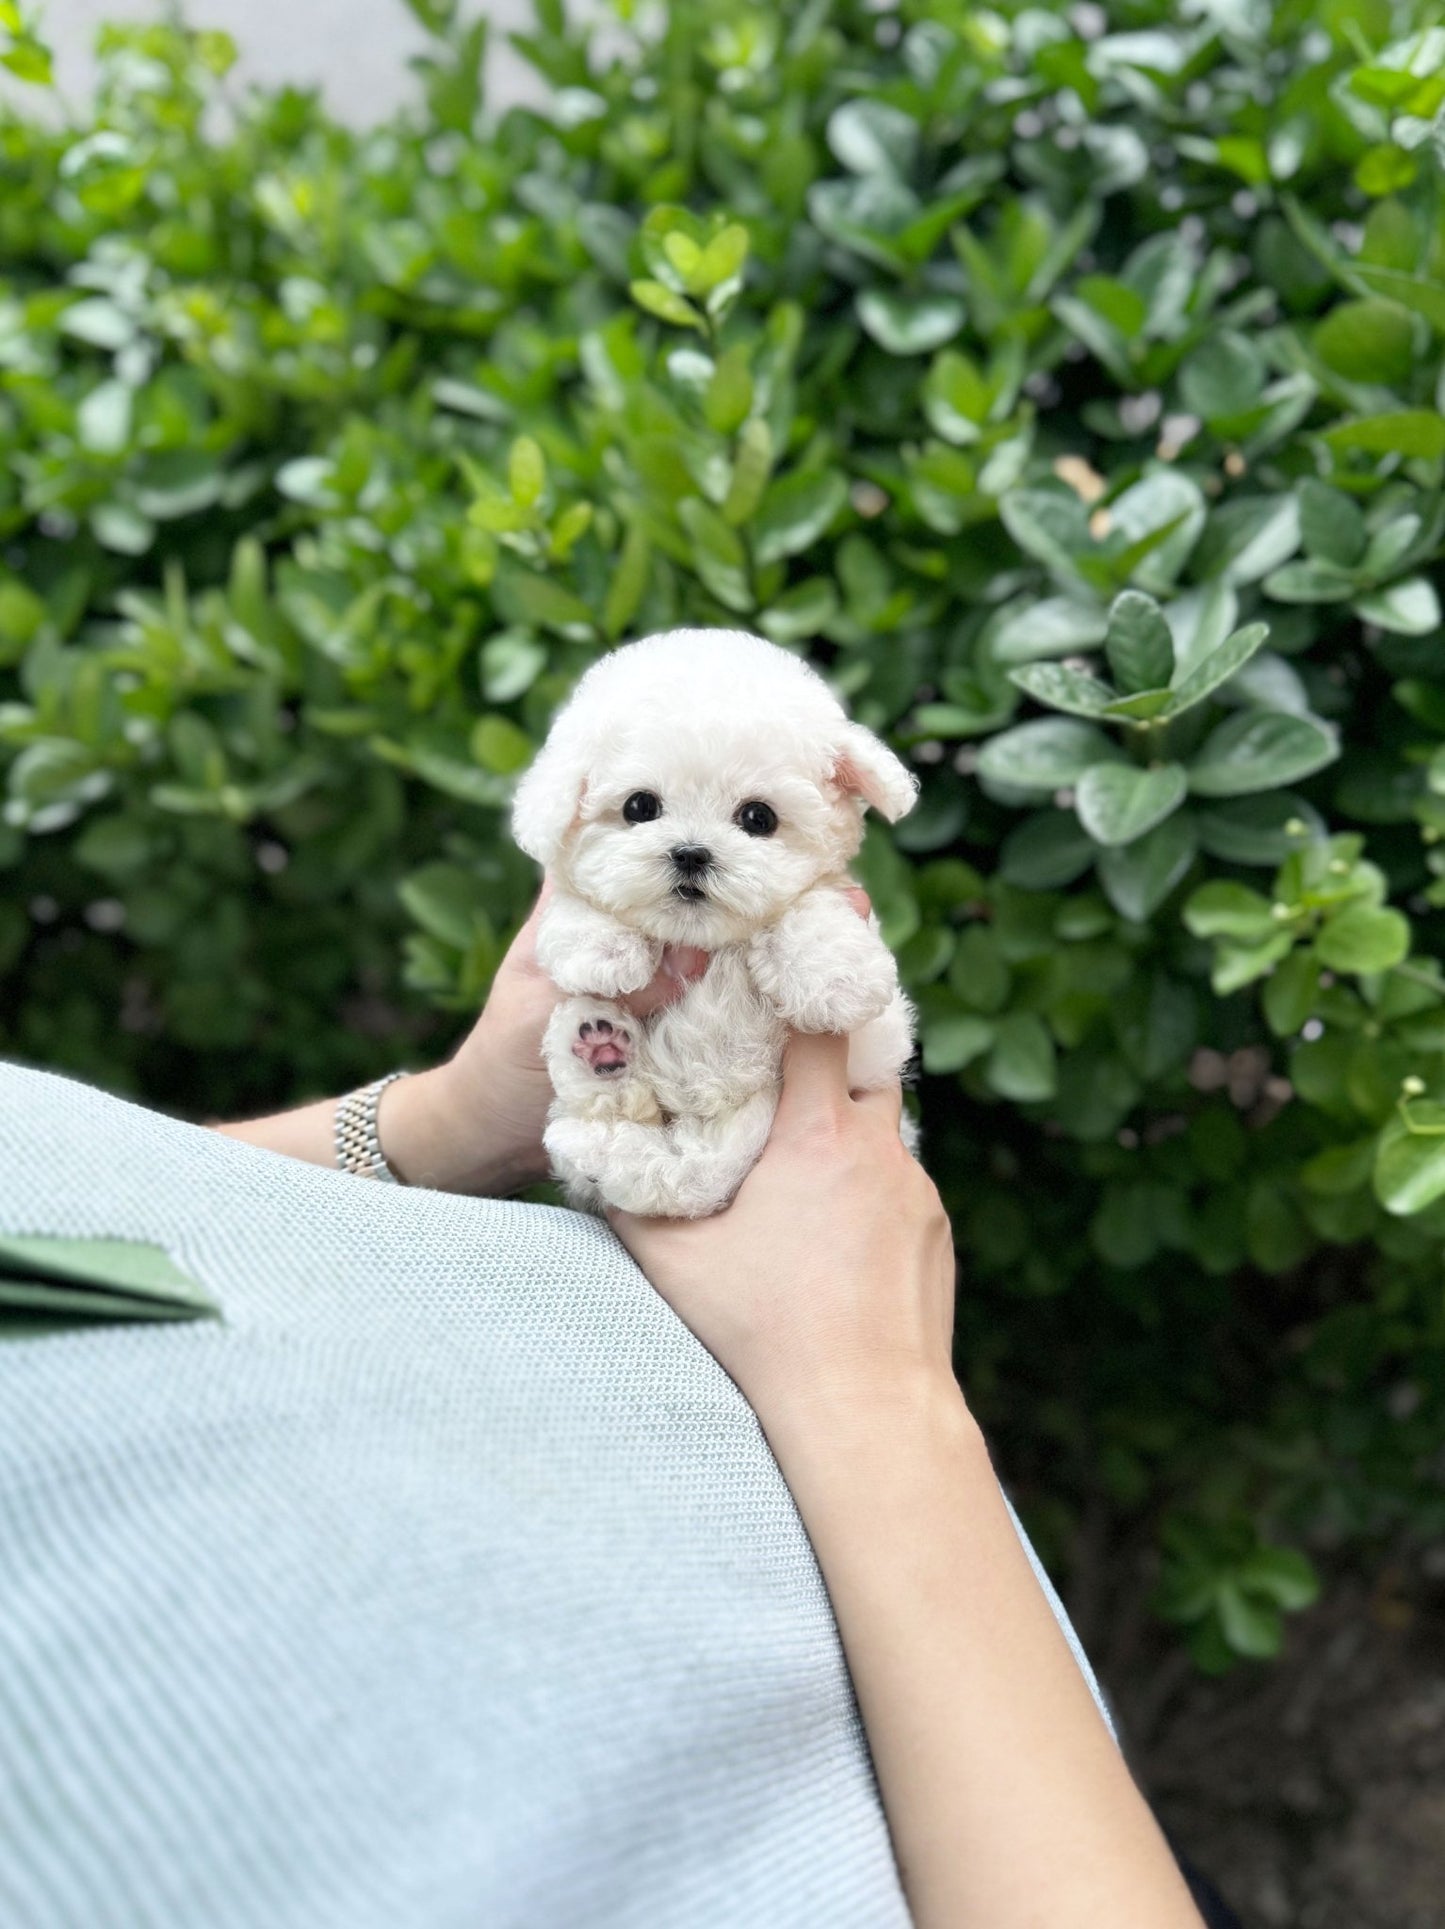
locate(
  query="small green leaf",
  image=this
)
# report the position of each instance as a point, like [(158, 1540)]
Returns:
[(1138, 644), (526, 471), (446, 901), (954, 1040), (1407, 432), (666, 304), (1118, 803), (1361, 938), (1046, 753), (795, 513), (1366, 341), (1252, 1627), (1410, 1164), (1410, 607), (1064, 689), (1138, 877), (1217, 667), (1052, 628), (1331, 526), (498, 745), (1289, 997), (909, 325), (1223, 909), (871, 137), (1260, 750), (718, 554), (1022, 1064)]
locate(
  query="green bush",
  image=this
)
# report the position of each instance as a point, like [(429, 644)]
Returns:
[(1065, 380)]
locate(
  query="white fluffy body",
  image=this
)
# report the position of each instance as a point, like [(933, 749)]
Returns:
[(667, 1115)]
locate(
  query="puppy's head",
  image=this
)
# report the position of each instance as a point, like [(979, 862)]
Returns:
[(698, 782)]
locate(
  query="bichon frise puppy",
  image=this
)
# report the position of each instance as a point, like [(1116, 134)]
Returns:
[(702, 788)]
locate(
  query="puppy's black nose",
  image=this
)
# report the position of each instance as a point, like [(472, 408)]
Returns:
[(691, 858)]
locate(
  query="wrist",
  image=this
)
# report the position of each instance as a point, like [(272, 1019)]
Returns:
[(843, 1419), (432, 1135)]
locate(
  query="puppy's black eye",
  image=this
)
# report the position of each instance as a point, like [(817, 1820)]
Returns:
[(757, 819), (642, 806)]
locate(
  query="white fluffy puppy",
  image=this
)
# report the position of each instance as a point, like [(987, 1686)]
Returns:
[(702, 788)]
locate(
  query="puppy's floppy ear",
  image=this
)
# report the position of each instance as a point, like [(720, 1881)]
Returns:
[(549, 794), (868, 769)]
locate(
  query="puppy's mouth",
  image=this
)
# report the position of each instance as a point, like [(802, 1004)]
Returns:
[(690, 893)]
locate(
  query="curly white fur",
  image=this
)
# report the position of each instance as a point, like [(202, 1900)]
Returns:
[(668, 1115)]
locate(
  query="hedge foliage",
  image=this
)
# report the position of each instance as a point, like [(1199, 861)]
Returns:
[(1066, 381)]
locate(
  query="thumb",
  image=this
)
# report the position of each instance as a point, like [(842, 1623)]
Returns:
[(815, 1074)]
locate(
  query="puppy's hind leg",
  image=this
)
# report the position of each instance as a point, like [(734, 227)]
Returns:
[(707, 1161), (594, 1055)]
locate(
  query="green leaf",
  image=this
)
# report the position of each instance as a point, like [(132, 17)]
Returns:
[(1138, 877), (1046, 852), (498, 745), (1366, 341), (445, 900), (909, 325), (1410, 607), (29, 61), (1361, 938), (511, 662), (1289, 997), (1216, 668), (1252, 1627), (1283, 1575), (1407, 432), (1021, 1065), (629, 582), (1047, 753), (1048, 525), (664, 302), (1222, 378), (796, 511), (1064, 689), (729, 393), (1138, 644), (718, 554), (1260, 750), (954, 1040), (752, 466), (1331, 525), (871, 137), (1223, 909), (1052, 628), (526, 471), (1410, 1164), (1118, 803), (1311, 582)]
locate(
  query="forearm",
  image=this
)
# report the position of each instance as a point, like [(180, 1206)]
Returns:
[(422, 1136), (1008, 1802)]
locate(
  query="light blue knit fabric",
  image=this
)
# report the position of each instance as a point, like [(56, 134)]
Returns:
[(449, 1584)]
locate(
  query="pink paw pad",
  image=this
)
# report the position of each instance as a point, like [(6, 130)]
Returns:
[(603, 1047)]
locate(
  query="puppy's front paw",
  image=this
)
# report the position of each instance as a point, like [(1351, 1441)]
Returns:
[(609, 967)]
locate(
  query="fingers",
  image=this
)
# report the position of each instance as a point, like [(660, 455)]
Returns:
[(681, 964), (860, 900)]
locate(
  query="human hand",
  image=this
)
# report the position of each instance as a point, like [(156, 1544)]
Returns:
[(830, 1277), (475, 1123)]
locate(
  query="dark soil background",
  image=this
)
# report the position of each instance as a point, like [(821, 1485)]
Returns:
[(1311, 1792)]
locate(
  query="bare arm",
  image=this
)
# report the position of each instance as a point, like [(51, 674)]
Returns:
[(475, 1123), (826, 1290)]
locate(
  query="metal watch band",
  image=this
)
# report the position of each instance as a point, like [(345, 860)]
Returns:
[(358, 1149)]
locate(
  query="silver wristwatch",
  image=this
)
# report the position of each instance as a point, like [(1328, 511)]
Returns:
[(358, 1149)]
